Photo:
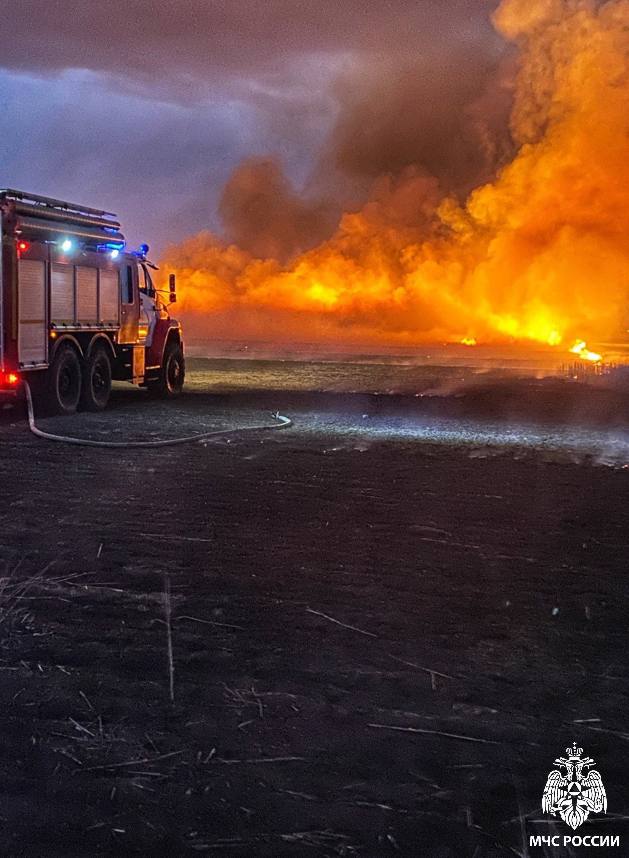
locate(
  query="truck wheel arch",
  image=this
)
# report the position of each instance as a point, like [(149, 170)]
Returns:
[(62, 340), (101, 340), (170, 380), (173, 336)]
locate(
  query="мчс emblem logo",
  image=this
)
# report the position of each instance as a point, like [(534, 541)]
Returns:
[(574, 795)]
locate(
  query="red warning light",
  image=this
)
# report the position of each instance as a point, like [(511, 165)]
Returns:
[(23, 246), (8, 379)]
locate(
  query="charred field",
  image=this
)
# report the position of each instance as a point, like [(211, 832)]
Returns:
[(369, 634)]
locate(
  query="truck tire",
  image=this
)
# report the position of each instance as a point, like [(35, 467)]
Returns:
[(63, 385), (171, 375), (96, 380)]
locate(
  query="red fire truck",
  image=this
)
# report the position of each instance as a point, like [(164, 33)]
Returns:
[(77, 309)]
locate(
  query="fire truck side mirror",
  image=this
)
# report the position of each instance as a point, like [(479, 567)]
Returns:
[(172, 288)]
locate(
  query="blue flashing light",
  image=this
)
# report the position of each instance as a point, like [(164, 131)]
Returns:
[(114, 248), (141, 252)]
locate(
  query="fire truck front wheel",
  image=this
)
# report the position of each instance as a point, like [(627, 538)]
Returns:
[(64, 381), (96, 380), (172, 373)]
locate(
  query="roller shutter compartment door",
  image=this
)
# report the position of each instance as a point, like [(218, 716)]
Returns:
[(86, 295), (108, 297), (61, 294), (32, 339)]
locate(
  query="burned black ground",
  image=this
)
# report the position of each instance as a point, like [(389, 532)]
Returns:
[(486, 590)]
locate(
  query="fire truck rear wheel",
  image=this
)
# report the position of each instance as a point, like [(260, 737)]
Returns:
[(172, 374), (64, 381), (96, 380)]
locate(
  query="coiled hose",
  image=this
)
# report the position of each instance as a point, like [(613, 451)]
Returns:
[(282, 423)]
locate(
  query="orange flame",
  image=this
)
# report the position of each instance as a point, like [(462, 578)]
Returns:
[(540, 254), (580, 348)]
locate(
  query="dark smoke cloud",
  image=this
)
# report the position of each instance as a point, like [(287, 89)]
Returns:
[(426, 114), (406, 134), (262, 214)]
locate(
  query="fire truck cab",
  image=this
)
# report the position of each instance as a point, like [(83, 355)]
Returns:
[(77, 309)]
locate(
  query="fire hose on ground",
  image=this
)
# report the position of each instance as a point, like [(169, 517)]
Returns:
[(282, 423)]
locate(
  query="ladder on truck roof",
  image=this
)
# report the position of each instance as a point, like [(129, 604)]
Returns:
[(37, 214), (10, 193)]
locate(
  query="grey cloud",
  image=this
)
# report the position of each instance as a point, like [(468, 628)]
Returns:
[(184, 42)]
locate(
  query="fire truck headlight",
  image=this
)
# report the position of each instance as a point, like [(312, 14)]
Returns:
[(66, 245)]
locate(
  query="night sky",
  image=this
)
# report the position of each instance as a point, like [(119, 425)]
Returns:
[(145, 107)]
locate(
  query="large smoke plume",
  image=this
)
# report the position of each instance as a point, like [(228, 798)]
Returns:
[(468, 197)]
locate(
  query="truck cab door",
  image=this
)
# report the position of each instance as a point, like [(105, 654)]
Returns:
[(129, 303), (149, 310)]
